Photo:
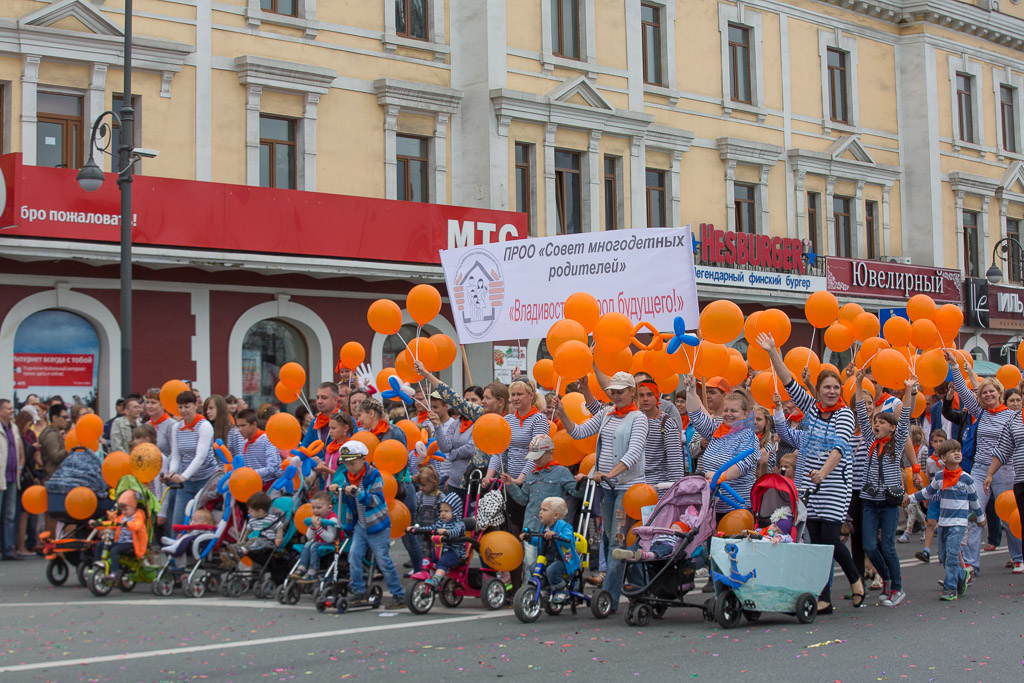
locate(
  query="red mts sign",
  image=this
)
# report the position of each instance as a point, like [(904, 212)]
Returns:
[(741, 249), (53, 370), (47, 202)]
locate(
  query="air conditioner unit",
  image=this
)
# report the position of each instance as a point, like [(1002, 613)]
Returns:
[(904, 260)]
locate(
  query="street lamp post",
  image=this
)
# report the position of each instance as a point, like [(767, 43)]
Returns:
[(1002, 249)]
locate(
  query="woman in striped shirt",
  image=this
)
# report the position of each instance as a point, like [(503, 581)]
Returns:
[(192, 459), (1009, 450), (663, 454), (764, 430), (727, 436), (992, 416), (824, 461), (621, 431)]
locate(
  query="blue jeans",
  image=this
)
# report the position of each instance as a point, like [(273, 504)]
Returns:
[(309, 558), (182, 496), (950, 538), (411, 542), (9, 509), (1003, 481), (614, 527), (379, 544), (116, 551), (555, 574), (879, 515)]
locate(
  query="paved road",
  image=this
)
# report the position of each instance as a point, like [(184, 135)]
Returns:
[(64, 634)]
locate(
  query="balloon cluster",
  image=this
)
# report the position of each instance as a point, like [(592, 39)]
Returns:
[(437, 352)]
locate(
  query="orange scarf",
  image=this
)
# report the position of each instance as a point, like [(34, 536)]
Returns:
[(162, 418), (622, 412), (951, 477), (381, 428), (544, 467), (245, 446), (333, 447), (354, 479), (825, 410), (723, 430), (796, 416), (998, 409), (321, 421), (193, 423), (879, 444), (422, 416), (522, 418), (685, 418), (881, 399), (466, 424)]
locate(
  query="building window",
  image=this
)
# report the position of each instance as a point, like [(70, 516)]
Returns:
[(288, 8), (115, 134), (965, 106), (1009, 116), (837, 86), (523, 175), (412, 168), (655, 198), (650, 21), (59, 130), (277, 152), (568, 193), (972, 261), (1016, 273), (267, 346), (411, 18), (813, 225), (743, 206), (871, 228), (843, 226), (611, 199), (565, 28), (739, 63)]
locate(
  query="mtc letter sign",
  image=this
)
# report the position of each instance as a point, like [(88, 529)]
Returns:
[(463, 234)]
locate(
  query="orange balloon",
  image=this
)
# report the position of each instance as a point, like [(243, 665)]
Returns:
[(657, 363), (897, 331), (423, 303), (1014, 523), (923, 332), (637, 497), (390, 486), (573, 360), (588, 463), (576, 407), (565, 454), (920, 307), (501, 551), (351, 355), (305, 511), (34, 499), (284, 431), (584, 309), (585, 446), (382, 378), (866, 326), (423, 349), (595, 388), (712, 359), (949, 319), (1020, 354), (829, 366), (890, 368), (563, 331), (638, 364), (71, 440), (838, 337), (721, 321), (1006, 505), (447, 351), (544, 373), (669, 384), (630, 536), (553, 429), (384, 316), (400, 518), (284, 394), (115, 466), (145, 462), (169, 395), (763, 388), (750, 327), (613, 332), (244, 482), (292, 376), (404, 369), (802, 357), (491, 434), (737, 371), (369, 440), (610, 362), (920, 404), (849, 312), (80, 502), (412, 433), (865, 384), (681, 361), (821, 309), (391, 456), (89, 427), (1008, 375), (776, 323), (736, 522)]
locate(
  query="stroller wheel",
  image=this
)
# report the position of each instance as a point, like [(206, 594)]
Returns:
[(265, 588), (553, 608), (57, 572), (753, 615), (342, 606), (601, 604), (293, 595), (213, 582), (659, 611), (420, 598), (324, 600), (525, 603), (728, 610), (643, 615), (194, 587), (280, 593), (493, 594), (376, 596), (806, 608), (708, 610), (631, 614), (126, 583), (235, 586), (449, 593), (100, 586), (163, 586), (81, 572)]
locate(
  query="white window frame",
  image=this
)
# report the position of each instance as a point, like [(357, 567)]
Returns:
[(588, 40), (735, 152), (1001, 77), (435, 42), (974, 68), (742, 16), (668, 46), (837, 40), (964, 184), (620, 190), (306, 19), (532, 171)]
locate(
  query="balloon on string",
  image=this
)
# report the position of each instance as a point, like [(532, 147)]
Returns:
[(758, 358), (501, 551), (868, 350), (829, 366), (447, 351), (595, 388), (948, 320), (681, 361), (382, 378), (1020, 354), (923, 333), (1008, 375), (763, 388), (285, 394), (890, 369), (244, 482), (866, 326), (680, 336), (284, 431), (145, 462), (920, 404), (169, 395), (1014, 523), (584, 309), (404, 369), (367, 439), (400, 518), (576, 407), (920, 307), (801, 357), (657, 363), (34, 499), (669, 383), (897, 331), (588, 463), (304, 512), (89, 427), (637, 497), (931, 368), (423, 303), (115, 466), (737, 371), (544, 373), (631, 535), (1006, 505), (776, 323), (390, 486), (736, 522), (849, 312), (411, 431), (711, 359), (351, 355), (573, 360), (384, 316), (821, 309), (565, 454), (293, 376), (71, 440), (721, 321), (865, 384), (613, 332), (391, 456), (610, 362), (964, 356), (80, 502), (563, 331), (750, 327), (422, 349), (638, 362), (491, 434)]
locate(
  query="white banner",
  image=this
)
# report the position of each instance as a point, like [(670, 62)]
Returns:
[(516, 290)]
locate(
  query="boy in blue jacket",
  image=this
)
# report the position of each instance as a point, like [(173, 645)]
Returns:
[(559, 547)]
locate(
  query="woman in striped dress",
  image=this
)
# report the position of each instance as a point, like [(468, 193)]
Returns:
[(192, 459), (727, 436), (621, 431), (824, 461), (663, 454), (1010, 450), (884, 469), (993, 416)]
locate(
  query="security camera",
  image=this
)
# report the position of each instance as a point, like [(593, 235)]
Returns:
[(144, 152)]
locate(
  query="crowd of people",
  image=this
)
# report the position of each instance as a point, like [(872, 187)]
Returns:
[(848, 461)]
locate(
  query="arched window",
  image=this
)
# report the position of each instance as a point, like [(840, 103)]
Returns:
[(56, 353), (268, 345), (393, 345)]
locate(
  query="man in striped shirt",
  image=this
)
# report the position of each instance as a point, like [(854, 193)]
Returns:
[(663, 452)]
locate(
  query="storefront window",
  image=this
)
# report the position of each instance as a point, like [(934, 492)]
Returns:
[(56, 353), (268, 345)]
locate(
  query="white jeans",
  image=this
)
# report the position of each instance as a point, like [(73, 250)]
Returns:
[(1003, 481)]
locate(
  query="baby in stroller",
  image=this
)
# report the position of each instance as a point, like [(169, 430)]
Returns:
[(265, 528), (663, 544)]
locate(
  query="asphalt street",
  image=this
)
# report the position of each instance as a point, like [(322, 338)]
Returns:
[(65, 634)]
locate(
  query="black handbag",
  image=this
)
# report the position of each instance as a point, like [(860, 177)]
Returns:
[(893, 494)]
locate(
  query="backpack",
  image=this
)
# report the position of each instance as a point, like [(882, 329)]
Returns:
[(968, 443)]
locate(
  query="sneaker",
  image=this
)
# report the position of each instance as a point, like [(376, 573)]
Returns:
[(895, 598), (886, 596), (971, 573), (924, 555), (989, 548), (358, 597), (596, 579), (961, 584), (311, 576), (700, 573), (559, 597), (625, 554), (903, 538), (948, 596), (395, 602), (1018, 567)]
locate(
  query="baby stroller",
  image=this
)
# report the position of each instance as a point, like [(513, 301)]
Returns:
[(267, 567), (663, 582), (773, 492)]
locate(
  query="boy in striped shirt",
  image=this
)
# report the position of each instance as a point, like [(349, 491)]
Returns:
[(958, 504)]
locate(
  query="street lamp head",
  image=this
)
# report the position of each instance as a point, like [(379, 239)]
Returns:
[(90, 177), (993, 274)]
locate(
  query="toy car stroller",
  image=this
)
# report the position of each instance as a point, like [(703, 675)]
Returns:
[(654, 585), (531, 596), (70, 545)]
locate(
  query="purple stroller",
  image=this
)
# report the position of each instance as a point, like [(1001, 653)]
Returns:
[(654, 585)]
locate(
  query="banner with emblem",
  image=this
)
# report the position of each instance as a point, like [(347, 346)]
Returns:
[(516, 290)]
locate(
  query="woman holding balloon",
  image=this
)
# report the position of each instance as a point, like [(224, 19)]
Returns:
[(993, 418)]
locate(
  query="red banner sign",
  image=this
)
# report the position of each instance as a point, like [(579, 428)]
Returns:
[(47, 202), (739, 249), (878, 279), (53, 370)]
